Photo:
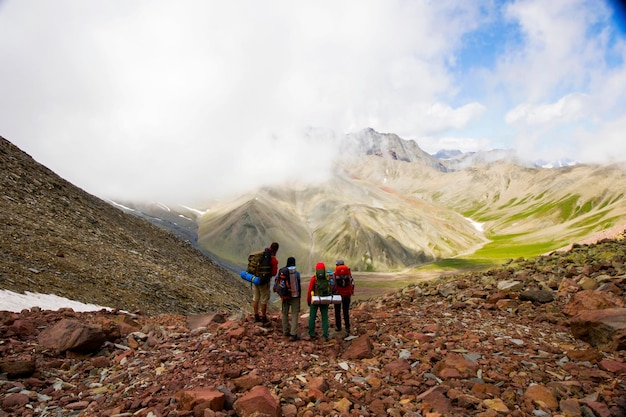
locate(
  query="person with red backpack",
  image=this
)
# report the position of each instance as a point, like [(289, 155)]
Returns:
[(343, 286)]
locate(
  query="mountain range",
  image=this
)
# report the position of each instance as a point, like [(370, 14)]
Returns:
[(389, 206)]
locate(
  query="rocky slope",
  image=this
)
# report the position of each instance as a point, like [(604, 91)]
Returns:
[(58, 239), (537, 337)]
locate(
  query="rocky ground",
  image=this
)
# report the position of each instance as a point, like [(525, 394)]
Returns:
[(539, 337)]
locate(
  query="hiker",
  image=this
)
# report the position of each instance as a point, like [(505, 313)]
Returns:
[(319, 286), (343, 286), (262, 291), (291, 301)]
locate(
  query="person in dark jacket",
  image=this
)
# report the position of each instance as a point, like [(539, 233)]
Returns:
[(343, 286), (292, 303)]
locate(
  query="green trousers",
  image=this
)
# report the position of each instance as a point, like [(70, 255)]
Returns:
[(323, 308)]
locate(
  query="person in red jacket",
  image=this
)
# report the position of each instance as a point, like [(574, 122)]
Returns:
[(320, 270), (344, 286)]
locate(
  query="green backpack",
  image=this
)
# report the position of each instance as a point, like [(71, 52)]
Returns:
[(322, 284)]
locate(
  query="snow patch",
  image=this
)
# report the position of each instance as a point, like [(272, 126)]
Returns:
[(477, 226), (15, 302)]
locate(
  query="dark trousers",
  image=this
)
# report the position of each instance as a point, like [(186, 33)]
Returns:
[(345, 305)]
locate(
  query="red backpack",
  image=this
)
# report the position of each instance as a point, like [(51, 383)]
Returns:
[(343, 276)]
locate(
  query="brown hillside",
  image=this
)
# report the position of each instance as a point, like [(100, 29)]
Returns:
[(58, 239)]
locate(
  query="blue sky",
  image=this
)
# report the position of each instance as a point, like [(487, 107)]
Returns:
[(177, 100)]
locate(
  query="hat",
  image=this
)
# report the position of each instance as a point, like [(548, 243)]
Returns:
[(291, 261), (274, 247), (339, 262), (320, 265)]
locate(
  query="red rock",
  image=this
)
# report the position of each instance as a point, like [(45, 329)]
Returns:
[(543, 396), (200, 399), (584, 355), (598, 408), (318, 383), (257, 402), (431, 328), (22, 328), (100, 362), (72, 335), (248, 381), (434, 400), (570, 407), (19, 367), (604, 329), (591, 300), (455, 362), (398, 366), (78, 405), (360, 348), (377, 407), (613, 366), (14, 400), (484, 391)]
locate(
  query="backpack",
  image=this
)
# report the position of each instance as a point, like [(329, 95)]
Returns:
[(285, 282), (260, 265), (322, 284), (342, 276)]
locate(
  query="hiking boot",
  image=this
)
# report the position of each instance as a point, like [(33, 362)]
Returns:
[(257, 318), (287, 334), (294, 337), (314, 336), (264, 320), (338, 329)]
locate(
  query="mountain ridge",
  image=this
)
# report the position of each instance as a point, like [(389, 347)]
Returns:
[(392, 206)]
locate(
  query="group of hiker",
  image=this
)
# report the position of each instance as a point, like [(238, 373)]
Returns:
[(325, 287)]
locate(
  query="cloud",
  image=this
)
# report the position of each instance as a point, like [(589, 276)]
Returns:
[(566, 109), (179, 101)]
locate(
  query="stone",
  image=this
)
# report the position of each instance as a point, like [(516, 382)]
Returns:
[(510, 286), (14, 400), (247, 382), (18, 368), (613, 366), (537, 296), (72, 335), (461, 367), (604, 329), (591, 300), (258, 402), (360, 348), (200, 399), (542, 396)]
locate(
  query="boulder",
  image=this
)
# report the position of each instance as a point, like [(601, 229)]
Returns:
[(604, 329), (360, 348), (72, 335), (258, 402), (591, 300)]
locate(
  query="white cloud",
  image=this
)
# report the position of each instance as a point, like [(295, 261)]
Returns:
[(566, 109), (180, 100), (464, 144)]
